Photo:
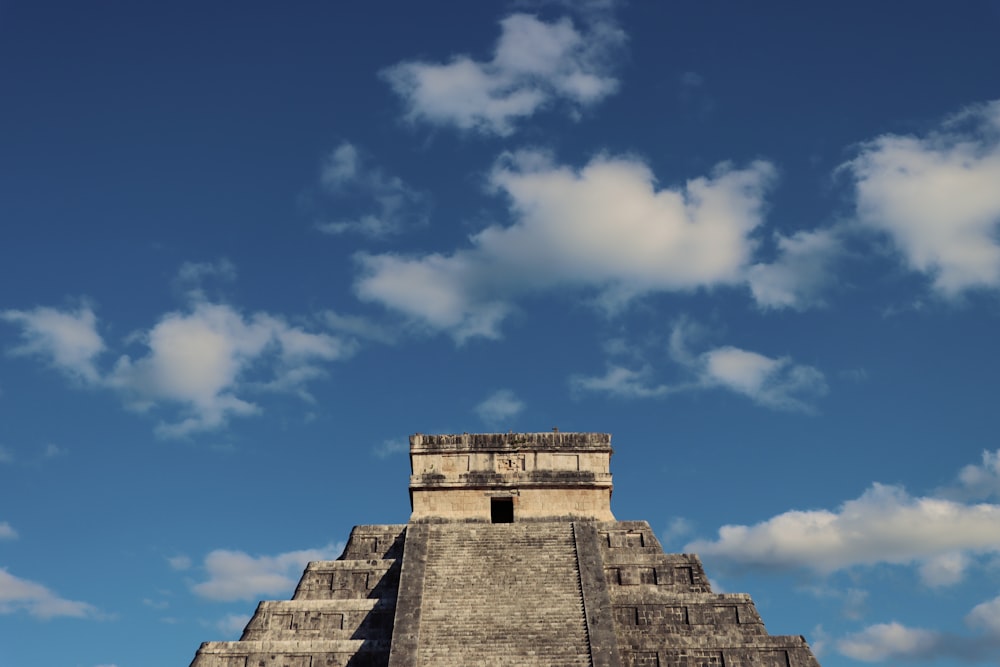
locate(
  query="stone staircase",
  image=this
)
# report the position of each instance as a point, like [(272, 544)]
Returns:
[(502, 595)]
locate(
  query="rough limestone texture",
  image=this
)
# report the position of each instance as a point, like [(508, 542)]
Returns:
[(568, 586), (545, 475)]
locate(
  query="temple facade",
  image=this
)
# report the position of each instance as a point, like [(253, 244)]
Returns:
[(511, 557)]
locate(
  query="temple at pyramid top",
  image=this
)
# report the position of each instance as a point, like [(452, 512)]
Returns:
[(508, 477)]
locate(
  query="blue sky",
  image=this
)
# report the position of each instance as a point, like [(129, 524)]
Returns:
[(246, 251)]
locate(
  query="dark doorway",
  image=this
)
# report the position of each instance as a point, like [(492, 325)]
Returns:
[(502, 510)]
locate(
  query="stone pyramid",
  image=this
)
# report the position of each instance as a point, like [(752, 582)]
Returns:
[(511, 558)]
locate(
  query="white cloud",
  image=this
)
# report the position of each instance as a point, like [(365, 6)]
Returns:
[(853, 599), (691, 79), (390, 205), (622, 382), (192, 273), (233, 624), (775, 383), (535, 65), (677, 527), (883, 525), (937, 198), (944, 570), (52, 451), (887, 640), (899, 643), (202, 358), (358, 327), (801, 272), (980, 481), (18, 594), (236, 575), (499, 406), (390, 447), (6, 455), (818, 641), (202, 362), (7, 531), (179, 562), (605, 228), (986, 616), (67, 339)]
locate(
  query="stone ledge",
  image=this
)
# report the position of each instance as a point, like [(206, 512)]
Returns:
[(362, 604), (293, 646), (510, 442)]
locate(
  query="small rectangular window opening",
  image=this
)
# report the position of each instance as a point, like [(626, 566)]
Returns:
[(502, 510)]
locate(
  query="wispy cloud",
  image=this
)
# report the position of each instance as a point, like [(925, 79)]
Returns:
[(977, 481), (853, 599), (499, 406), (677, 527), (236, 575), (7, 531), (52, 451), (68, 340), (535, 65), (357, 327), (936, 197), (622, 382), (232, 624), (606, 228), (193, 273), (800, 273), (387, 204), (390, 447), (776, 383), (179, 562), (18, 594)]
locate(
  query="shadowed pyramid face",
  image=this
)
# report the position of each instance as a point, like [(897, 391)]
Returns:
[(512, 559)]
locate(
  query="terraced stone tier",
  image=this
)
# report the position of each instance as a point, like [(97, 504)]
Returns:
[(322, 619), (341, 616), (665, 613), (312, 653)]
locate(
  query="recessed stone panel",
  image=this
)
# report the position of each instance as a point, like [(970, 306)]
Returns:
[(642, 659)]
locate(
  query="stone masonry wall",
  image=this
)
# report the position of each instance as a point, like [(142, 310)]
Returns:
[(666, 615), (548, 475), (529, 503)]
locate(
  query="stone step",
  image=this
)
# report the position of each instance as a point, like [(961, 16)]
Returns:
[(507, 591), (311, 653)]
